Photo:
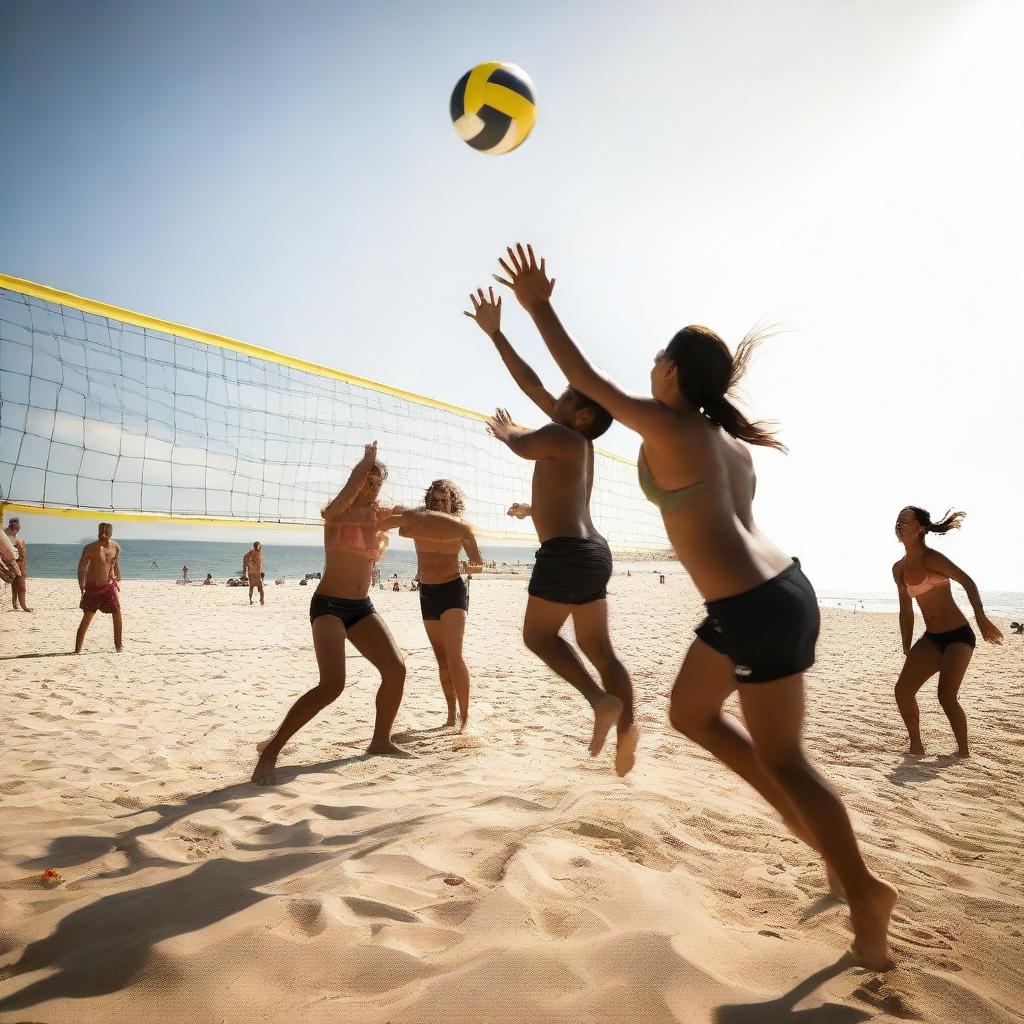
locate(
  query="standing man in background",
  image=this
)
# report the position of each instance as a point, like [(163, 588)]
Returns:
[(9, 570), (253, 565), (19, 584), (99, 573)]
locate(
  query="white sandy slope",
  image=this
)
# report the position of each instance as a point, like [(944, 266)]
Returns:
[(191, 895)]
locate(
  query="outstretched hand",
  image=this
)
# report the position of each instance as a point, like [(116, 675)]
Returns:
[(989, 630), (500, 425), (486, 311), (528, 280)]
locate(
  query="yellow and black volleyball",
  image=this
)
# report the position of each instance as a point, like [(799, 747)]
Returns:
[(494, 107)]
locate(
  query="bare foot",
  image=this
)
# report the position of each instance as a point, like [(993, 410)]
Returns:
[(606, 714), (625, 750), (963, 753), (463, 723), (385, 748), (869, 915), (263, 773), (119, 649), (916, 749), (449, 722)]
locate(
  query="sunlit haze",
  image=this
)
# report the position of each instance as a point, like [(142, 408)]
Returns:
[(287, 174)]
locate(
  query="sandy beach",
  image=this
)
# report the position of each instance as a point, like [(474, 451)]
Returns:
[(498, 876)]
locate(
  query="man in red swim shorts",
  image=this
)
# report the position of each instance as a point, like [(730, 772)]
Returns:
[(99, 572)]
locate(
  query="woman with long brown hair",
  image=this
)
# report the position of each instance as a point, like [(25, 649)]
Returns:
[(763, 618), (947, 645)]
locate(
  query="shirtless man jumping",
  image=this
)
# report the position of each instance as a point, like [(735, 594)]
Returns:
[(253, 565), (444, 599), (99, 572), (574, 563)]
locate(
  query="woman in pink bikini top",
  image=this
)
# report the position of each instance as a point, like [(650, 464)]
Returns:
[(341, 611), (948, 642)]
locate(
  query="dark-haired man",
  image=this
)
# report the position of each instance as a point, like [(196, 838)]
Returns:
[(99, 576), (19, 584), (252, 564), (574, 563)]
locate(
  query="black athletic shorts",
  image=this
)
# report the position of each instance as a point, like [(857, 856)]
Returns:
[(961, 635), (349, 611), (437, 598), (768, 632), (572, 570)]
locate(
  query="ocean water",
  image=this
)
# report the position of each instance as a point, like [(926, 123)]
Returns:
[(60, 561), (999, 604)]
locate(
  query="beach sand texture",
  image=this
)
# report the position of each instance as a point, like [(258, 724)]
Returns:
[(499, 876)]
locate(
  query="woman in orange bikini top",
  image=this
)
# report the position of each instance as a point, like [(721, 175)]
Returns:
[(947, 645)]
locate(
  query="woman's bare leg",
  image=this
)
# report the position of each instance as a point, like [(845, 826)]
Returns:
[(923, 661), (703, 685), (372, 639), (329, 645), (453, 626), (435, 634), (955, 660), (774, 712)]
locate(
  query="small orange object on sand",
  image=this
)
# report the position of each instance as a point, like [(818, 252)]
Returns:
[(51, 877)]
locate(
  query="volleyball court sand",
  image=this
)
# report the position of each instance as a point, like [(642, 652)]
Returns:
[(501, 876)]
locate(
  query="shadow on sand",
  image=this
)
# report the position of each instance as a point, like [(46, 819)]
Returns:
[(781, 1010), (916, 769)]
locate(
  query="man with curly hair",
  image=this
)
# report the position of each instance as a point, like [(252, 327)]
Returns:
[(444, 599)]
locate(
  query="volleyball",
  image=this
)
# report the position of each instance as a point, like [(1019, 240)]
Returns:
[(494, 107)]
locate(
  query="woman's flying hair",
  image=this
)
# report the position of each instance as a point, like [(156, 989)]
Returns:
[(709, 375), (950, 521)]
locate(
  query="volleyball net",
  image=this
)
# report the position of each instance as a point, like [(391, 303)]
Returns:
[(113, 414)]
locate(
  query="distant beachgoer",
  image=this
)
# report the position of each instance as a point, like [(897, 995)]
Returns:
[(661, 578), (9, 568), (1016, 627), (252, 564), (762, 625), (208, 581), (153, 564), (184, 574), (947, 645), (395, 585), (99, 573), (19, 584)]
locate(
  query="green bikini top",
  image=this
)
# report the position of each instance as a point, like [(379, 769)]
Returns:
[(667, 501)]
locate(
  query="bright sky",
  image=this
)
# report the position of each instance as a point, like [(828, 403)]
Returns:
[(286, 173)]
